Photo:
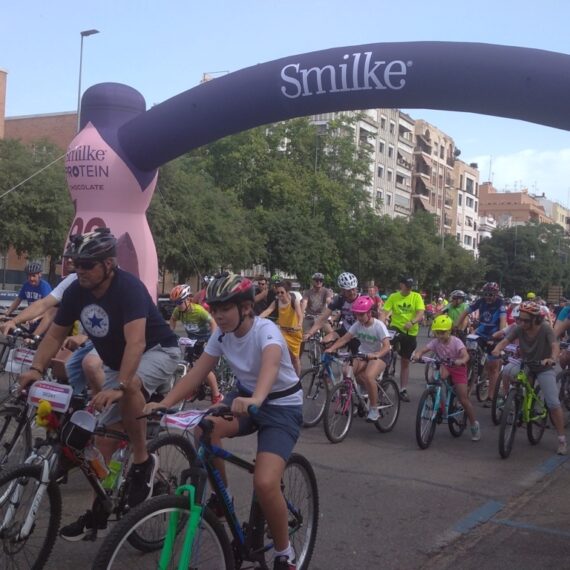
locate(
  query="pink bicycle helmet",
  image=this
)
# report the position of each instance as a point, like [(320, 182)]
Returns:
[(362, 304)]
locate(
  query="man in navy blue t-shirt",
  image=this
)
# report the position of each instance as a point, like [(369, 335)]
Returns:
[(34, 289), (492, 318), (139, 352)]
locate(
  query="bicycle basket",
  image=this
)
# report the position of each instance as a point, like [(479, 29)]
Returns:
[(78, 431)]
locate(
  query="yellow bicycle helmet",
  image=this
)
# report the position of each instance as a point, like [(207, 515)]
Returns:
[(442, 323), (530, 295)]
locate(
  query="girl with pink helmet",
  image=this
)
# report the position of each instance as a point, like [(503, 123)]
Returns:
[(374, 344)]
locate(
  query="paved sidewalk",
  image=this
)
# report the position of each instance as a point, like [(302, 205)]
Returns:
[(532, 531)]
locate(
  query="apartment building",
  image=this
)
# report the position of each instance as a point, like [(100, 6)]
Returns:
[(433, 182), (510, 208), (3, 78), (404, 165), (555, 211), (466, 177)]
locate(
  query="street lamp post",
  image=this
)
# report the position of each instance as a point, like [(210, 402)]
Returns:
[(84, 34)]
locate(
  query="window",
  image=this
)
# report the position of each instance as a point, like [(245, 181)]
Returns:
[(467, 240), (383, 122), (392, 127), (390, 151), (459, 199), (458, 237), (469, 202), (390, 175), (381, 146), (378, 196), (475, 206), (400, 179), (469, 185), (380, 171), (441, 152), (388, 199), (402, 200)]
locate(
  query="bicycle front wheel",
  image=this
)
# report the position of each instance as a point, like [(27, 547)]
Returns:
[(508, 427), (455, 416), (482, 391), (302, 498), (15, 437), (426, 419), (338, 412), (388, 405), (19, 488), (315, 392), (211, 549), (499, 398), (538, 416)]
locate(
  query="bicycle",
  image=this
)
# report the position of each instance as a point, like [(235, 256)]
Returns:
[(476, 347), (563, 380), (501, 388), (313, 345), (524, 405), (30, 495), (185, 533), (435, 408), (317, 382), (346, 398)]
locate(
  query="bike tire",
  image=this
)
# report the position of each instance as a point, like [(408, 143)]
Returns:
[(564, 379), (482, 388), (429, 373), (535, 428), (175, 456), (301, 493), (455, 416), (15, 436), (498, 403), (508, 427), (48, 517), (426, 419), (214, 550), (473, 373), (315, 393), (338, 414), (388, 405)]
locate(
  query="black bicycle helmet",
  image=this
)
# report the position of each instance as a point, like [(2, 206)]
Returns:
[(34, 267), (229, 287), (96, 245)]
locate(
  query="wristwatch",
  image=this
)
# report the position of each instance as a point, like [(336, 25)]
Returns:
[(122, 387)]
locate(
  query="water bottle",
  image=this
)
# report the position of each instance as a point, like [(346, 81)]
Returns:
[(115, 468), (96, 460)]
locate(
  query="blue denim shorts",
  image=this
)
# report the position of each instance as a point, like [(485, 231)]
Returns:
[(278, 427)]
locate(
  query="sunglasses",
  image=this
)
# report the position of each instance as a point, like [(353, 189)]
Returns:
[(87, 265), (318, 280)]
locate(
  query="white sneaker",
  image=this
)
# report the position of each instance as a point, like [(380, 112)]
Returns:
[(373, 415), (475, 432)]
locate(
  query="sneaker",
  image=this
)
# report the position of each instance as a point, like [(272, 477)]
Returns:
[(284, 563), (373, 415), (404, 395), (562, 448), (217, 399), (82, 529), (488, 403), (141, 480), (475, 432)]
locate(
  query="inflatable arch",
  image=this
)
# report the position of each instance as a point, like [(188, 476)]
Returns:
[(112, 163)]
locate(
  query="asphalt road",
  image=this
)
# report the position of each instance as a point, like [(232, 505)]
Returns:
[(383, 501)]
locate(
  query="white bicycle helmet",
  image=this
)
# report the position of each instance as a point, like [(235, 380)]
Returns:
[(516, 300), (347, 281)]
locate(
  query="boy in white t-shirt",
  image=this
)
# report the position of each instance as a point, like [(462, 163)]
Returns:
[(374, 343), (259, 358), (450, 348)]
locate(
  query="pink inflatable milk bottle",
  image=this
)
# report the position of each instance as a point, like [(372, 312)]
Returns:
[(105, 188)]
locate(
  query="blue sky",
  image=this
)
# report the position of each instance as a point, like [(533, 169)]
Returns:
[(163, 48)]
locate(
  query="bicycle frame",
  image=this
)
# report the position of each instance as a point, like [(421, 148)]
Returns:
[(438, 383), (525, 391)]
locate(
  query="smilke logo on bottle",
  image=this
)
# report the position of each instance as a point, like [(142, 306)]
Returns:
[(95, 321)]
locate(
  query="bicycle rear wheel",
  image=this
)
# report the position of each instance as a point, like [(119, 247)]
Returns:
[(508, 427), (388, 405), (538, 417), (302, 498), (315, 392), (482, 391), (15, 436), (455, 416), (499, 398), (338, 412), (211, 549), (18, 488), (426, 419), (564, 379)]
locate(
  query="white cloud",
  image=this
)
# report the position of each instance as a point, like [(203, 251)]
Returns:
[(545, 172)]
